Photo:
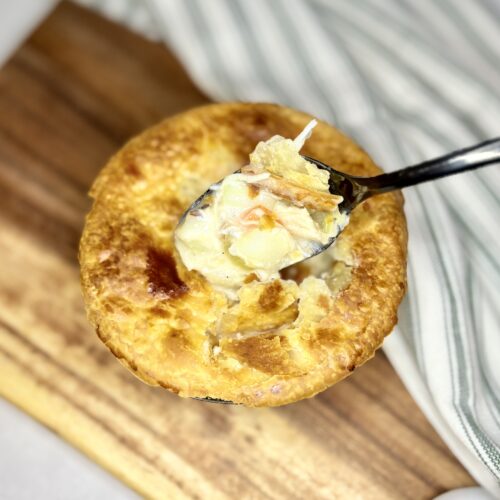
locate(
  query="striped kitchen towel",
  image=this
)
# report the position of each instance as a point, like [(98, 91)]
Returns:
[(409, 81)]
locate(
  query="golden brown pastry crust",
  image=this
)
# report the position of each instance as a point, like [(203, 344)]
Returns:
[(161, 320)]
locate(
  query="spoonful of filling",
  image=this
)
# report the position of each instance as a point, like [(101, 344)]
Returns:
[(272, 213), (283, 208)]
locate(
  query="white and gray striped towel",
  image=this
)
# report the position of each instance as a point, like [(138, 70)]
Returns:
[(408, 80)]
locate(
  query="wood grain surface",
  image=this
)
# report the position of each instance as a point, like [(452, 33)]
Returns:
[(77, 90)]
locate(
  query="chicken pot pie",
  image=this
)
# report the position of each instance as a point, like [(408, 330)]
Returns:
[(268, 338)]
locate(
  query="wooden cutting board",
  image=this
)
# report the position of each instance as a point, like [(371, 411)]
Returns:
[(77, 90)]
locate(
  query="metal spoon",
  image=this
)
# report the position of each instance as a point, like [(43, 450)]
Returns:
[(355, 190)]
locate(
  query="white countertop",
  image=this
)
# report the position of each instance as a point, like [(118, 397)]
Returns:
[(37, 464)]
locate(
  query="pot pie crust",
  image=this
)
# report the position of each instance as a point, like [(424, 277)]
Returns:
[(285, 339)]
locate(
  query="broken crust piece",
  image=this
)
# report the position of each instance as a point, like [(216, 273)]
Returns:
[(299, 196), (161, 320)]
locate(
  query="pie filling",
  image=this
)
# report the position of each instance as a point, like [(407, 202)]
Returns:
[(274, 212)]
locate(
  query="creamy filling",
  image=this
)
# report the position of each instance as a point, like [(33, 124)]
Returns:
[(275, 212)]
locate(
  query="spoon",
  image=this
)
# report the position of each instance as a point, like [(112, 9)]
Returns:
[(355, 189)]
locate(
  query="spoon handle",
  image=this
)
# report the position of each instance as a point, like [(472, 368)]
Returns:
[(462, 160)]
